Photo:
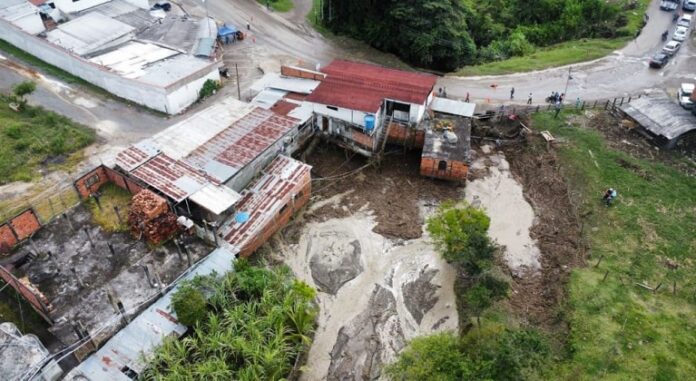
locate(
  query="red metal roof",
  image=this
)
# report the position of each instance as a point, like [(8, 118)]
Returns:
[(283, 107), (162, 173), (239, 144), (363, 87), (264, 199)]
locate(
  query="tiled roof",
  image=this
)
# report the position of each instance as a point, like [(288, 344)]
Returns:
[(264, 199), (363, 87)]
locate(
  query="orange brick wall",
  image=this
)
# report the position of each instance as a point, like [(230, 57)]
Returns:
[(362, 139), (81, 183), (116, 178), (7, 239), (455, 171), (25, 224), (280, 220), (400, 134), (37, 300)]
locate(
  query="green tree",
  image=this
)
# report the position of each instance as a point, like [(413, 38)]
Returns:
[(21, 90), (189, 304)]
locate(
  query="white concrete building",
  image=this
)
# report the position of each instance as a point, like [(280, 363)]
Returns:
[(22, 14)]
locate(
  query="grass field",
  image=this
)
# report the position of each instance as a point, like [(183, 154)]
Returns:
[(620, 330), (35, 138), (278, 5), (553, 56)]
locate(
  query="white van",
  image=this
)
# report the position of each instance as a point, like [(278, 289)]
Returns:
[(684, 95), (685, 20)]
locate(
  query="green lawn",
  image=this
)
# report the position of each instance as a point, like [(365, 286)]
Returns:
[(278, 5), (619, 330), (34, 138), (557, 55)]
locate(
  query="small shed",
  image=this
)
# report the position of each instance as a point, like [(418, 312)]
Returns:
[(662, 120), (446, 150)]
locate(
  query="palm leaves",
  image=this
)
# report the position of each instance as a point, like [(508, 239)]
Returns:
[(258, 322)]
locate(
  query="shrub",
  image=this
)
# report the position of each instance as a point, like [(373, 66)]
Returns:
[(209, 88), (189, 304)]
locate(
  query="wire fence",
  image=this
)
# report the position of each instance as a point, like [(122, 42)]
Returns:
[(47, 203)]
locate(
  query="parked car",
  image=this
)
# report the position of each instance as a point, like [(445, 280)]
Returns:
[(684, 21), (669, 5), (681, 33), (684, 95), (689, 5), (671, 48), (658, 60)]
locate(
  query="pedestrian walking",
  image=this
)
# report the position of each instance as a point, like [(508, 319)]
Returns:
[(561, 98), (529, 100), (512, 93), (577, 103), (248, 26), (558, 110), (467, 97)]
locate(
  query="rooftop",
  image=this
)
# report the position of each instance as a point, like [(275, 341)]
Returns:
[(364, 87), (661, 115), (89, 33), (21, 354), (129, 348), (12, 10), (448, 139), (453, 107), (265, 198)]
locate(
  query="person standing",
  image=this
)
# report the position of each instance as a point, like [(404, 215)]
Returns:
[(467, 97), (512, 93), (529, 100)]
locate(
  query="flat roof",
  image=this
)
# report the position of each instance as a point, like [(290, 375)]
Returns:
[(276, 81), (661, 115), (12, 10), (132, 59), (133, 345), (264, 199), (88, 33), (453, 107), (451, 143), (364, 87), (235, 147), (179, 32)]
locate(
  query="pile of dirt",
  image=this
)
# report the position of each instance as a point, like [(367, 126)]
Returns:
[(557, 231), (393, 191), (150, 217)]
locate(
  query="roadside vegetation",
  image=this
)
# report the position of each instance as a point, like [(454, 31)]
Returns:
[(278, 5), (249, 324), (34, 138), (619, 327), (490, 351), (104, 214), (446, 35)]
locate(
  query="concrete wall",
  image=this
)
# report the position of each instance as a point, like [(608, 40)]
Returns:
[(72, 6), (455, 170), (172, 99)]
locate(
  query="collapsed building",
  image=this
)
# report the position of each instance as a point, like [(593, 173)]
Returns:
[(148, 56)]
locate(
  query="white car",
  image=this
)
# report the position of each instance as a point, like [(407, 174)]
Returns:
[(671, 48), (684, 95), (684, 21), (680, 34)]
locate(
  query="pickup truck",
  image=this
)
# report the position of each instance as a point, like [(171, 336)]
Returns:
[(669, 5)]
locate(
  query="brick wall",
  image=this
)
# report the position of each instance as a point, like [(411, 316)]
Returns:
[(455, 170), (25, 224), (400, 134), (37, 300), (289, 71), (362, 139), (91, 182), (302, 193), (7, 239)]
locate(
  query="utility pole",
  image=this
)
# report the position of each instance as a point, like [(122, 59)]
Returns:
[(239, 92)]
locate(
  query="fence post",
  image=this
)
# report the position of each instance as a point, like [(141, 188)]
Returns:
[(606, 106), (537, 108), (622, 100), (583, 105), (613, 105), (629, 100), (595, 104)]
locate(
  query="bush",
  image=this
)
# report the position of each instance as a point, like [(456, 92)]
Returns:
[(209, 88), (190, 305)]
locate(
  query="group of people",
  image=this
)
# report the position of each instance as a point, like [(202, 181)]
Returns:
[(556, 98)]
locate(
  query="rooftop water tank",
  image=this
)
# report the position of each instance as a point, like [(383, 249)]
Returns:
[(369, 123), (241, 217)]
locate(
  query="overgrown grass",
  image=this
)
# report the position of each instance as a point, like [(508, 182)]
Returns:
[(619, 330), (106, 217), (553, 56), (278, 5), (35, 137)]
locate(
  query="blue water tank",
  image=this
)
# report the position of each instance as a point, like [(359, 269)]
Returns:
[(369, 123), (241, 217)]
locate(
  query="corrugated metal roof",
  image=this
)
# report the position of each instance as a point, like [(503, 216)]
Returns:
[(264, 199), (172, 177), (242, 142), (132, 59), (268, 97), (453, 107), (278, 82), (204, 47), (133, 344), (661, 115), (88, 33), (363, 87), (216, 199), (12, 10)]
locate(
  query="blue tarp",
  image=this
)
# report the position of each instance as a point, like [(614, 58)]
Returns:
[(226, 30)]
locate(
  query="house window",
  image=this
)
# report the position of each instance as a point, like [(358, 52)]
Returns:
[(92, 180), (332, 108), (442, 165)]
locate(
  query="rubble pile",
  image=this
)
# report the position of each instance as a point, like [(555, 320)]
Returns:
[(150, 217)]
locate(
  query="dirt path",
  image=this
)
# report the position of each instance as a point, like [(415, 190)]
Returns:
[(374, 296)]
